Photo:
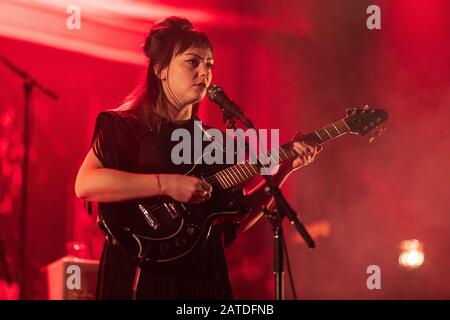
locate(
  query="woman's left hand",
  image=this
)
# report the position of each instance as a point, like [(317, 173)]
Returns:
[(305, 153)]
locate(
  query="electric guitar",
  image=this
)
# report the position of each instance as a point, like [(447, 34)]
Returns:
[(161, 230)]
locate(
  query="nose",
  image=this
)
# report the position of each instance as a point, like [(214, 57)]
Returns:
[(203, 70)]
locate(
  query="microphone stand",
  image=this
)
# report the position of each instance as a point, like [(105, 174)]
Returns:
[(283, 209), (29, 83)]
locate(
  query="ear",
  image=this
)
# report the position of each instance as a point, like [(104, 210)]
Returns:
[(160, 73)]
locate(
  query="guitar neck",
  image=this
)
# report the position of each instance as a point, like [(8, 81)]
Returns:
[(243, 172)]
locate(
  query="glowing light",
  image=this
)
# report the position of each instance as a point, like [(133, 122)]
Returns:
[(411, 255)]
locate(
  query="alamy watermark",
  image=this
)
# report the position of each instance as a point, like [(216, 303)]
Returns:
[(73, 281), (219, 151), (374, 20), (73, 21), (374, 280)]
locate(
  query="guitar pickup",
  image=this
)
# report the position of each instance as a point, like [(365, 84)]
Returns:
[(149, 218), (173, 212)]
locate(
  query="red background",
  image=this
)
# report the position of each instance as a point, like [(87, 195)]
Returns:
[(292, 65)]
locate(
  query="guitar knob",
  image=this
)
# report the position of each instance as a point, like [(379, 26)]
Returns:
[(180, 242), (190, 230), (164, 248)]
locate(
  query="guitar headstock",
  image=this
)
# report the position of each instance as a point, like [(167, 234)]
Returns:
[(364, 120)]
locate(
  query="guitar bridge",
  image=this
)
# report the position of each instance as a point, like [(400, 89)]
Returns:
[(149, 218)]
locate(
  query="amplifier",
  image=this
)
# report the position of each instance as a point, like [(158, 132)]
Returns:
[(71, 278)]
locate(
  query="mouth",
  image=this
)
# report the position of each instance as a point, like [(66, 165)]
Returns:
[(201, 85)]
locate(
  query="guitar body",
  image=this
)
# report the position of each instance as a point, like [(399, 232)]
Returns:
[(162, 230)]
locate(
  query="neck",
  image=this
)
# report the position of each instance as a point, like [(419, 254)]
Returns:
[(174, 113), (185, 113)]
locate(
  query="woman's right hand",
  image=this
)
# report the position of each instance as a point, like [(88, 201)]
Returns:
[(185, 188)]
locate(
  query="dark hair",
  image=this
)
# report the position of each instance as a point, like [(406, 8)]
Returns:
[(173, 33)]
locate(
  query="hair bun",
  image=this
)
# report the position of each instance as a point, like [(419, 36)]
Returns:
[(177, 23)]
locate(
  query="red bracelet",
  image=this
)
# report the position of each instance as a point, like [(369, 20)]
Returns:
[(159, 182)]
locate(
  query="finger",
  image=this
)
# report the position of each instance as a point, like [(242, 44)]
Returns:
[(300, 151), (206, 196), (308, 150), (300, 145), (205, 186), (208, 187), (302, 158), (196, 199), (202, 187)]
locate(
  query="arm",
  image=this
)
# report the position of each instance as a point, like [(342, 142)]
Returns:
[(99, 184)]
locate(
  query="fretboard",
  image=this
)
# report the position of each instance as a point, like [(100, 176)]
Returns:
[(240, 173)]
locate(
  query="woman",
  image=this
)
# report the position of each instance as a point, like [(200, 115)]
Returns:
[(130, 159)]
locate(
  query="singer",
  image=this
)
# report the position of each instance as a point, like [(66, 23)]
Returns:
[(130, 158)]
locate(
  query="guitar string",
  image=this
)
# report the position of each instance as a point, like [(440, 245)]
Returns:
[(214, 180)]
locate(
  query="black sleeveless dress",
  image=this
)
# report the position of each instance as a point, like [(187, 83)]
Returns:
[(122, 142)]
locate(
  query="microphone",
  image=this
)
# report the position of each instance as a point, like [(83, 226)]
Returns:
[(219, 97)]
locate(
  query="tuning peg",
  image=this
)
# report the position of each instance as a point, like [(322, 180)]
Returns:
[(376, 133), (350, 111)]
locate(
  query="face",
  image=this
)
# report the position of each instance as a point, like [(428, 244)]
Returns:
[(188, 76)]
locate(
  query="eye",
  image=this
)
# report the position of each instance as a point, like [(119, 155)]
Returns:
[(210, 66), (193, 62)]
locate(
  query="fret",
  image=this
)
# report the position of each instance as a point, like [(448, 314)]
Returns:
[(327, 132), (333, 133), (345, 124), (245, 171), (276, 155), (239, 172), (287, 157), (287, 150), (227, 179), (342, 127), (229, 173), (248, 170), (222, 179), (255, 171), (219, 178), (318, 136), (339, 133), (234, 174)]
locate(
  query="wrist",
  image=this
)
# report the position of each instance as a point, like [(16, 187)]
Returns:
[(164, 184), (160, 183)]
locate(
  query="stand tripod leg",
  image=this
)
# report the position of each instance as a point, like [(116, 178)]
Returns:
[(278, 262)]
